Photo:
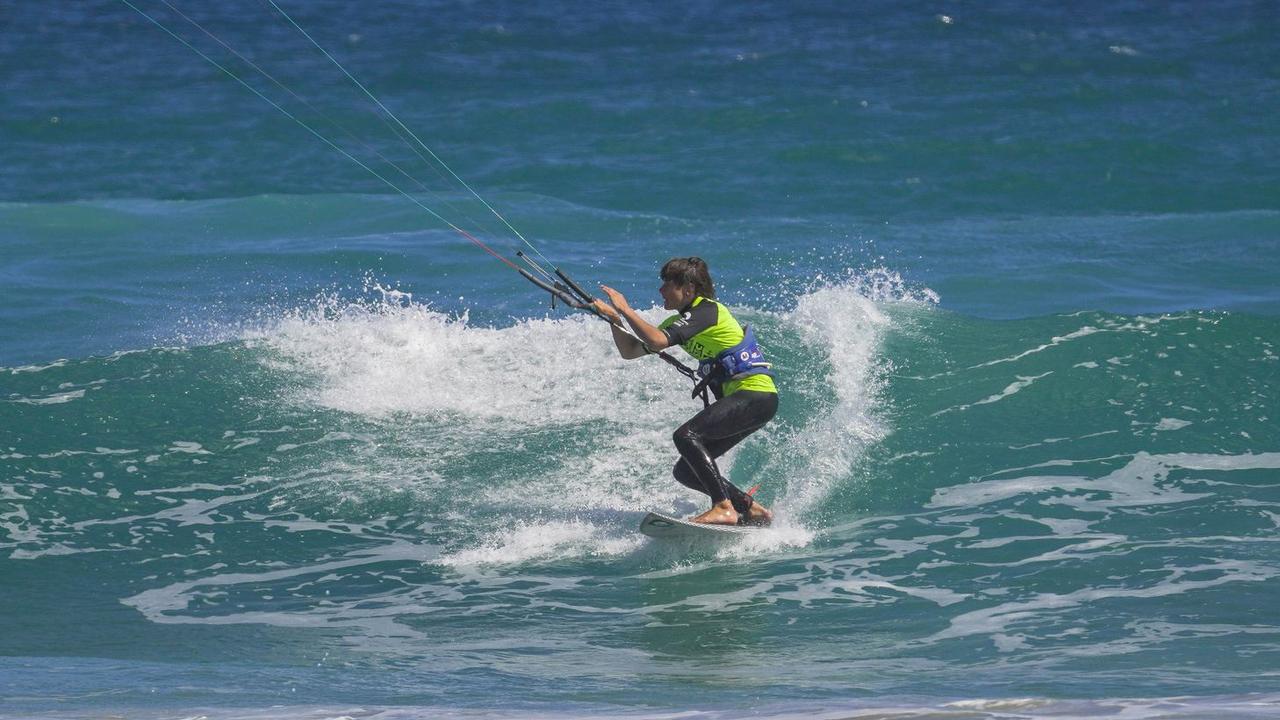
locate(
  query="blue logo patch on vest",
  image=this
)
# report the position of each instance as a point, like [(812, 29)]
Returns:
[(742, 360)]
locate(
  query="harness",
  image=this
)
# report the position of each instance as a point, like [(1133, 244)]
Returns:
[(742, 360)]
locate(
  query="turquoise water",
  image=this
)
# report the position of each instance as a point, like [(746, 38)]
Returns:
[(274, 442)]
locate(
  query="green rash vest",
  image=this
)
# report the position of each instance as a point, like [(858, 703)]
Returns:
[(704, 330)]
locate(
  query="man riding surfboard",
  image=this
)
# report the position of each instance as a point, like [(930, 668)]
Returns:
[(731, 365)]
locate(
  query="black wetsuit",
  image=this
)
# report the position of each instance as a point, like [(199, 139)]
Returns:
[(703, 329)]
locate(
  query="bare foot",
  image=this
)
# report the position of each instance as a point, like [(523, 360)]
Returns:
[(719, 514), (758, 515)]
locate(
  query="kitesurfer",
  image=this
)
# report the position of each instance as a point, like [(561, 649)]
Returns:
[(732, 367)]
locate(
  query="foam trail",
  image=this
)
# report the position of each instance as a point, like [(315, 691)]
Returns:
[(381, 361)]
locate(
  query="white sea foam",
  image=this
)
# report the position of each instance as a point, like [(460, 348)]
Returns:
[(411, 360), (54, 399), (1003, 618), (1139, 482), (845, 329), (1233, 707), (460, 389), (540, 541), (1085, 331), (36, 368), (171, 603), (1227, 707), (1022, 383)]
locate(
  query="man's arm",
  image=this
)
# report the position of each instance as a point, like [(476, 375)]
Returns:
[(628, 346), (653, 338)]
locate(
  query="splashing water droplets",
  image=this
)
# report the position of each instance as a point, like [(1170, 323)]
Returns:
[(595, 428)]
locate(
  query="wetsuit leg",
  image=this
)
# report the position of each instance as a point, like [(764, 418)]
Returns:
[(711, 433), (684, 473)]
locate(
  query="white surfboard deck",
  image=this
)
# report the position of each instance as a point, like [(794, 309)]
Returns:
[(657, 525)]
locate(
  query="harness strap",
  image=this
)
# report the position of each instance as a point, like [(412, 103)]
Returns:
[(701, 390), (700, 386)]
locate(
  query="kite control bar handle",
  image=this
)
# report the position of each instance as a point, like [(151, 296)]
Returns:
[(558, 291), (565, 291), (575, 287)]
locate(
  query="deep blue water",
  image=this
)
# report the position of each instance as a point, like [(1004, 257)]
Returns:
[(276, 441)]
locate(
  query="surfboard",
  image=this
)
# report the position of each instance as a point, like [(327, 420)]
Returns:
[(657, 525)]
